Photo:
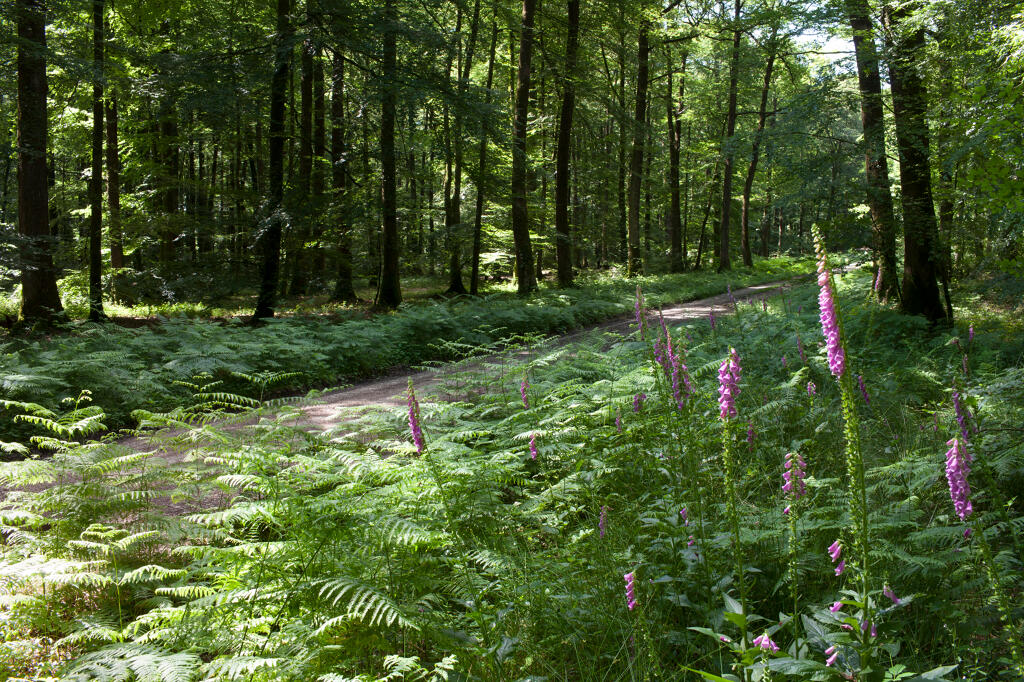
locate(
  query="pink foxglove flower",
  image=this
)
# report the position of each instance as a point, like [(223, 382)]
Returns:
[(835, 550), (957, 468), (840, 567), (828, 316), (638, 401), (728, 388), (524, 386), (836, 607), (602, 522), (800, 349), (711, 319), (812, 390), (630, 591), (887, 591), (794, 476), (765, 642), (533, 446)]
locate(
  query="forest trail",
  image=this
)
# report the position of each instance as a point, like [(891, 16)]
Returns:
[(330, 408)]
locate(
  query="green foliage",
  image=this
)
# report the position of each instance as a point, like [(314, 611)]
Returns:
[(265, 552), (148, 369)]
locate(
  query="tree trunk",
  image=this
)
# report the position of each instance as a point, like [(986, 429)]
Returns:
[(39, 298), (474, 279), (169, 147), (922, 260), (389, 291), (455, 231), (96, 179), (724, 262), (344, 290), (675, 130), (299, 254), (563, 239), (748, 183), (319, 154), (526, 281), (114, 187), (271, 237), (634, 264), (876, 164)]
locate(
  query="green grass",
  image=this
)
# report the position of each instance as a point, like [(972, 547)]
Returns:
[(127, 369)]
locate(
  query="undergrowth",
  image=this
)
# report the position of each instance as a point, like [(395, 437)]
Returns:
[(128, 369), (499, 551)]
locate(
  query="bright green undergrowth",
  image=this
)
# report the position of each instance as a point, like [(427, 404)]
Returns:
[(129, 369), (275, 554)]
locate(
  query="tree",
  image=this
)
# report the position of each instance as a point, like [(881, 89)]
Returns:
[(96, 179), (728, 152), (40, 300), (922, 259), (474, 279), (634, 264), (876, 163), (344, 290), (271, 237), (563, 239), (389, 291), (762, 114), (525, 276)]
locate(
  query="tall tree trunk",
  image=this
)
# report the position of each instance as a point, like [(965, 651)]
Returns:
[(563, 239), (474, 280), (762, 115), (389, 291), (455, 231), (634, 263), (40, 300), (922, 260), (169, 148), (96, 180), (876, 164), (299, 254), (526, 280), (344, 290), (765, 219), (271, 237), (724, 262), (319, 154), (675, 130), (114, 186)]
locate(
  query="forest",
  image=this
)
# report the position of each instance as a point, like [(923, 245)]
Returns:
[(511, 340)]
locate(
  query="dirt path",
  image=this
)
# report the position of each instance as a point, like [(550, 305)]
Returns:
[(329, 410)]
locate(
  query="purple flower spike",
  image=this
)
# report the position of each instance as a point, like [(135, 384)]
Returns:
[(711, 318), (961, 417), (602, 522), (800, 348), (835, 550), (685, 515), (414, 420), (533, 446), (830, 323), (524, 386), (786, 510), (966, 369), (957, 468), (812, 390), (784, 365), (887, 591), (638, 401), (728, 389), (970, 333), (841, 567), (630, 591), (863, 389), (618, 422), (750, 432), (794, 476), (874, 630)]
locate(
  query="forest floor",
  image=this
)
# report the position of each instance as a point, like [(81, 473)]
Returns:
[(440, 384)]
